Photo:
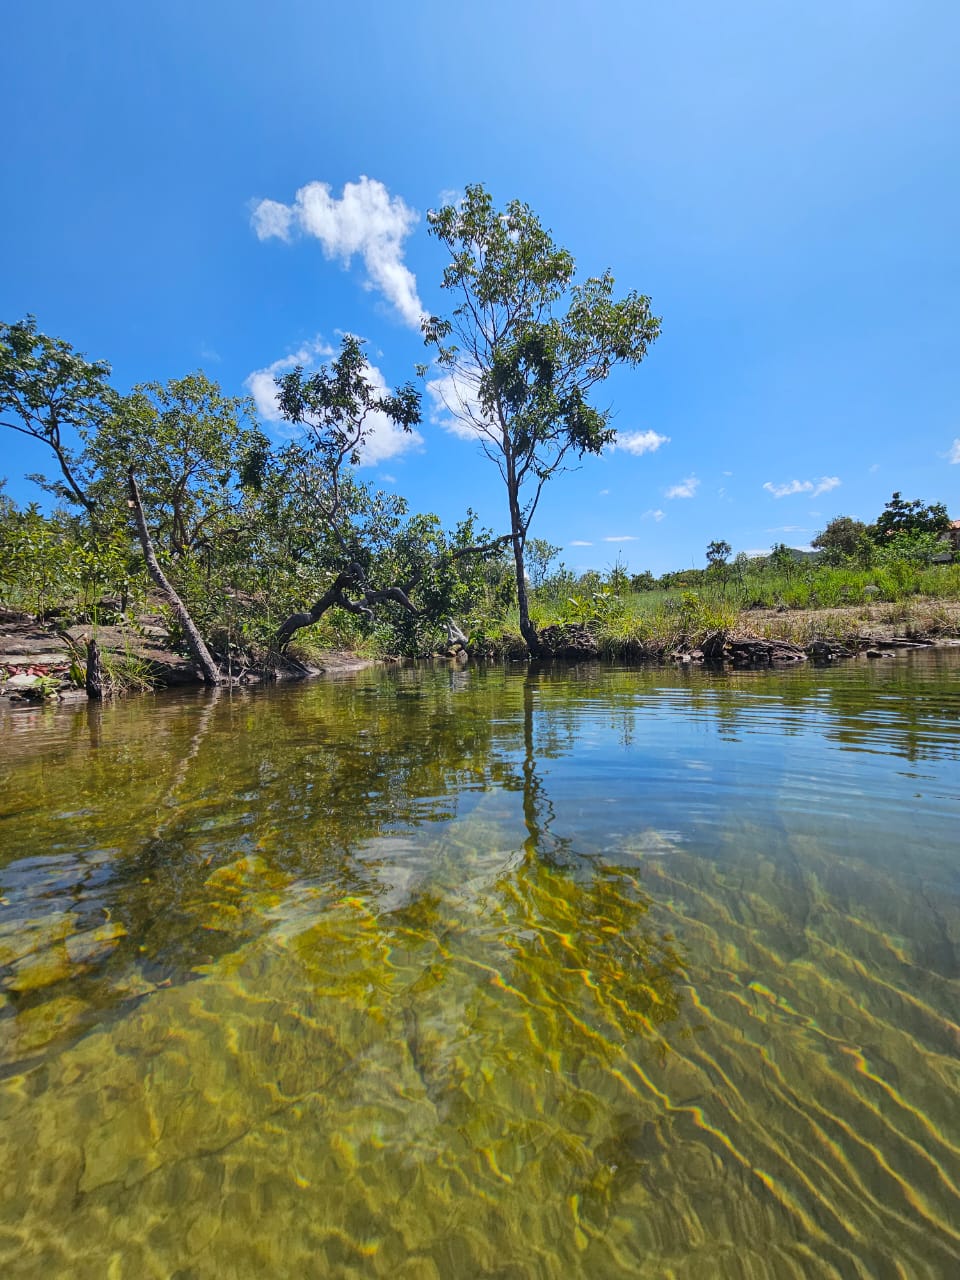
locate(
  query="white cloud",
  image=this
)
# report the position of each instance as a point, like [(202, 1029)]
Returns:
[(789, 528), (384, 438), (638, 442), (875, 466), (813, 487), (954, 454), (262, 385), (792, 486), (685, 489), (578, 542), (654, 515), (621, 537), (366, 220), (602, 493), (455, 404), (270, 218)]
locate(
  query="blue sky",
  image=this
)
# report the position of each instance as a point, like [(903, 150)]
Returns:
[(783, 180)]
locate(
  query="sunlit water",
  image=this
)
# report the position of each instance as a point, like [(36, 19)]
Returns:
[(474, 973)]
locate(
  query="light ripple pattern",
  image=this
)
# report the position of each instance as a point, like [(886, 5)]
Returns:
[(485, 973)]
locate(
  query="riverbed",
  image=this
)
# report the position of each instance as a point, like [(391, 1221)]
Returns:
[(486, 972)]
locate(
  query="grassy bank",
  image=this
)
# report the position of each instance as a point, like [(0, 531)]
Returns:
[(845, 607)]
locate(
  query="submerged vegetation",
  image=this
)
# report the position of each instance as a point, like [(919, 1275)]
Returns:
[(594, 971)]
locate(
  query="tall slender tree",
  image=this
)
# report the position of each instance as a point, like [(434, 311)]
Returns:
[(523, 350)]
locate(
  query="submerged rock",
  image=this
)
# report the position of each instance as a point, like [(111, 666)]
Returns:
[(56, 954), (750, 651), (822, 650), (33, 1029)]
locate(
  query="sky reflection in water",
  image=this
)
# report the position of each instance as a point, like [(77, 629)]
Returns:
[(465, 973)]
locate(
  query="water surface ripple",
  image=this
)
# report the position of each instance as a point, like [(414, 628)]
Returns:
[(486, 973)]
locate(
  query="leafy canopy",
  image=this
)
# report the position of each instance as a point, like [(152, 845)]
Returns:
[(191, 446), (843, 539), (338, 408), (718, 553), (525, 346), (901, 516), (50, 392)]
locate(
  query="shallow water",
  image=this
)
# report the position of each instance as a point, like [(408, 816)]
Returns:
[(480, 973)]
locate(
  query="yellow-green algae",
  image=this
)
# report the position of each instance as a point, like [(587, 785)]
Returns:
[(511, 977)]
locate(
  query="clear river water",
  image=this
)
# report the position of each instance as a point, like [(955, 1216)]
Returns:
[(486, 973)]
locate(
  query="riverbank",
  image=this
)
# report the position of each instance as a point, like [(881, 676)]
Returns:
[(40, 660)]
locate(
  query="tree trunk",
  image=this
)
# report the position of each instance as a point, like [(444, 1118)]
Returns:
[(94, 680), (199, 651), (333, 595), (527, 629)]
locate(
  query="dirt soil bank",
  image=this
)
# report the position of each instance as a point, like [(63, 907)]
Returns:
[(922, 619), (34, 654)]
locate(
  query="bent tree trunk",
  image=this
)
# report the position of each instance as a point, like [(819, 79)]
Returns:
[(198, 650), (336, 596), (351, 578)]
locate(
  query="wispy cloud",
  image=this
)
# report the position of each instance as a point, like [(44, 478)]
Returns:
[(579, 542), (954, 454), (621, 537), (365, 220), (789, 528), (602, 493), (685, 489), (455, 403), (384, 438), (638, 442), (654, 514), (813, 487)]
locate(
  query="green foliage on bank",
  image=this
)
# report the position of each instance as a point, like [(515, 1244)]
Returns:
[(266, 541)]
